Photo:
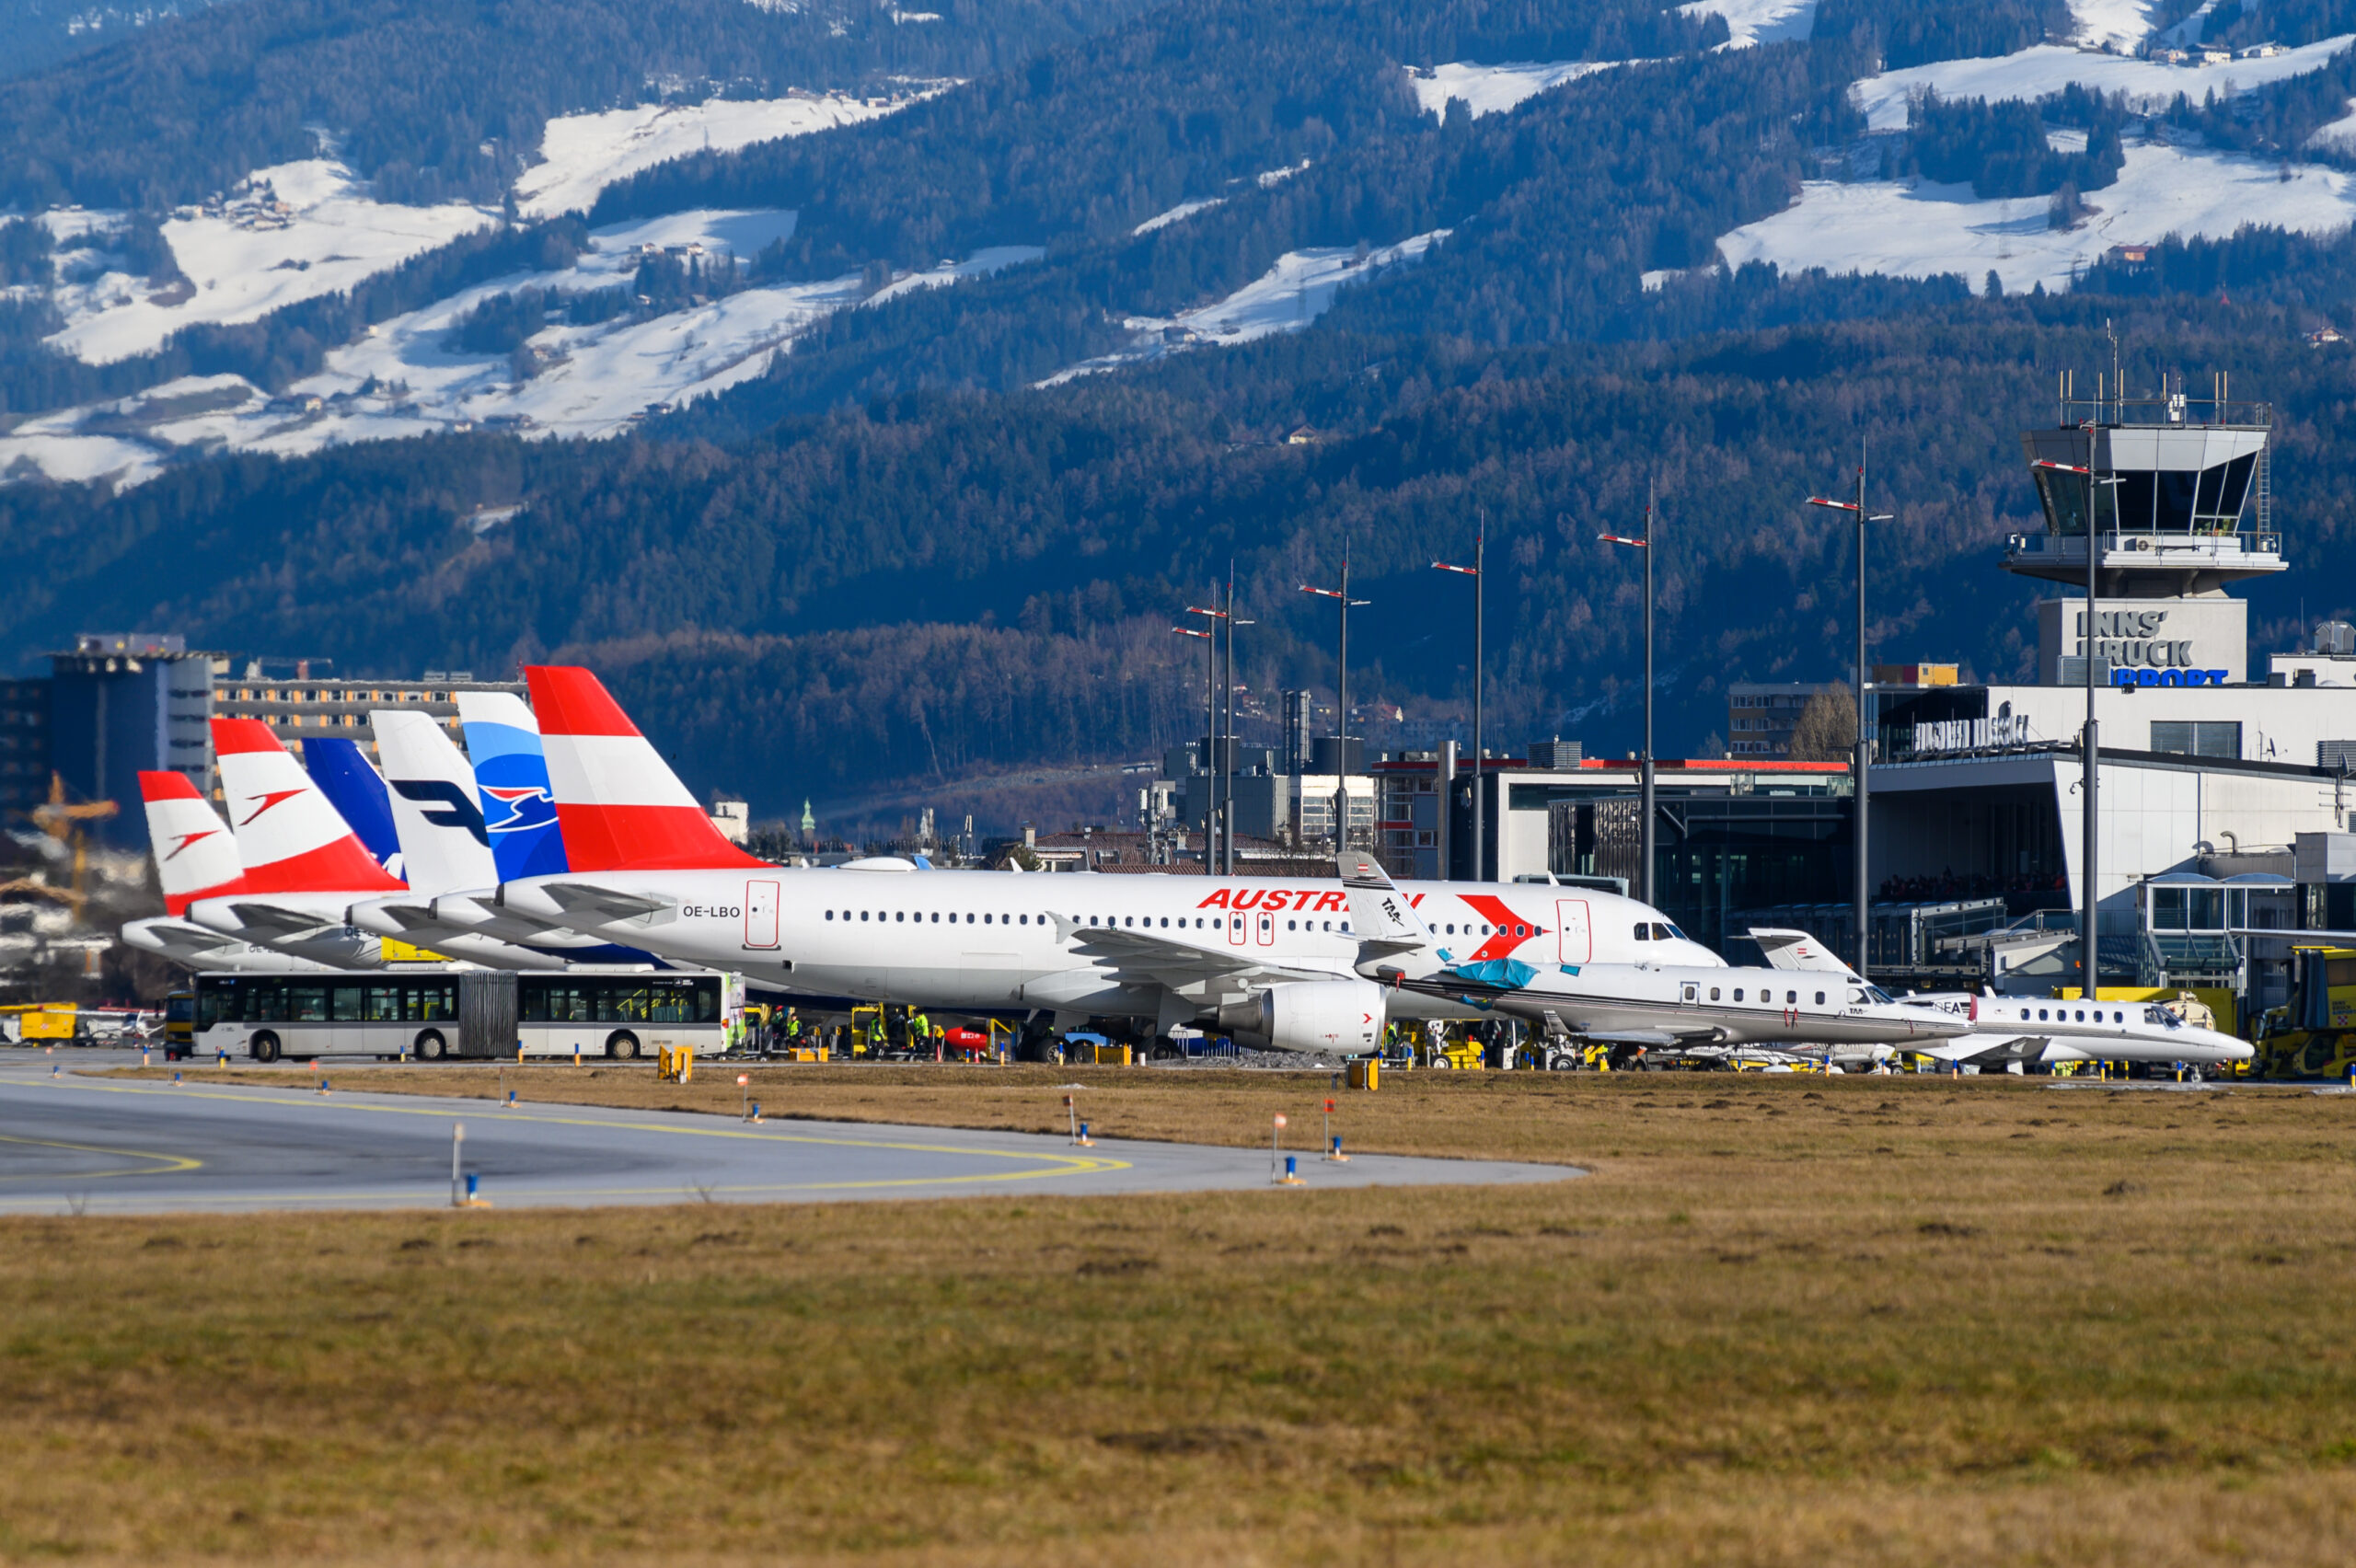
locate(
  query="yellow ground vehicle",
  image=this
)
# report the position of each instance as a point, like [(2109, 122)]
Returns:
[(2315, 1037), (180, 1025), (43, 1022)]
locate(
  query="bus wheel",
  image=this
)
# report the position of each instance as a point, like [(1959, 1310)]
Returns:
[(430, 1048), (264, 1046), (622, 1045)]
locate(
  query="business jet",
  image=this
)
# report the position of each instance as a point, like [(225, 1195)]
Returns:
[(1648, 1006), (2025, 1031), (2041, 1032), (1276, 961)]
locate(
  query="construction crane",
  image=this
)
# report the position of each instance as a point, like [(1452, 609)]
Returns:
[(63, 820)]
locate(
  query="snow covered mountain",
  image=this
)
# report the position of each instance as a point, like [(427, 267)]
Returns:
[(648, 313)]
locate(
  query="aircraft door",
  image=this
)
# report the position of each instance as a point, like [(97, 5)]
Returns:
[(1267, 924), (760, 915), (1573, 931), (1235, 928)]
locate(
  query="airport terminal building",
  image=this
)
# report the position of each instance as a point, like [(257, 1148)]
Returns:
[(2216, 771)]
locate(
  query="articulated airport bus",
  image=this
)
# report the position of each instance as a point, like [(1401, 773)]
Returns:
[(480, 1014)]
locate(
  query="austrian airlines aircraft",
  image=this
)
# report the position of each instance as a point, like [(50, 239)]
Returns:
[(195, 858), (1275, 961)]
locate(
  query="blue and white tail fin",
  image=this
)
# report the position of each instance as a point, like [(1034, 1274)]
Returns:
[(443, 838), (512, 777), (343, 775)]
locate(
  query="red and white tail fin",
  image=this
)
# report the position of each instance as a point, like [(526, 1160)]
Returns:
[(195, 854), (617, 804), (291, 838)]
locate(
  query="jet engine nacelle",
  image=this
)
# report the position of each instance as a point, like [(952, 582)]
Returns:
[(1310, 1015)]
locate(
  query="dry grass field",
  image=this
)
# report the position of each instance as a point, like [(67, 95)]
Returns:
[(1785, 1320)]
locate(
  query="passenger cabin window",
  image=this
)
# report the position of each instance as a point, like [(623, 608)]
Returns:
[(1820, 998), (1713, 993), (1737, 993)]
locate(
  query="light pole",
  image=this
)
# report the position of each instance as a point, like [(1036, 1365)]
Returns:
[(1645, 847), (1342, 698), (2090, 939), (1480, 592), (1210, 723), (1865, 743), (1226, 741)]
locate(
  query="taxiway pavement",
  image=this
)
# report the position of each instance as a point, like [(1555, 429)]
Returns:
[(76, 1143)]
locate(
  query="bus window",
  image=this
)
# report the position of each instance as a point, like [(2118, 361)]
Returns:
[(216, 1001), (346, 1004), (306, 1004), (265, 1002), (431, 1001), (674, 1004), (706, 1001), (620, 1002), (385, 1004)]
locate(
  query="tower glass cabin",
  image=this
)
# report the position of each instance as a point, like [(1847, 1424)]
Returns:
[(2189, 514)]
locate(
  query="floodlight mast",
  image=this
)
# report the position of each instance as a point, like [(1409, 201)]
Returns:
[(1863, 759), (1480, 592), (1210, 720), (1644, 843), (2090, 939), (1342, 698)]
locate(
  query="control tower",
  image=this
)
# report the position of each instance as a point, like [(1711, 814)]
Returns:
[(2179, 498)]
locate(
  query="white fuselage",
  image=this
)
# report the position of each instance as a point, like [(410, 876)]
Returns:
[(2020, 1028), (985, 943), (1694, 1006)]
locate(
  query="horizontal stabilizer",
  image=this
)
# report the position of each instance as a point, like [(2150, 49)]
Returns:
[(605, 902)]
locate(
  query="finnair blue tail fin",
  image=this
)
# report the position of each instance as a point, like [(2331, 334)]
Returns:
[(511, 775), (352, 787)]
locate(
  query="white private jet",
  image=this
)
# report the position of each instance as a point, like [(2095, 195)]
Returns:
[(2004, 1031)]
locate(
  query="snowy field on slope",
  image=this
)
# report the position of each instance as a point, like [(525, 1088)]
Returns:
[(2121, 24), (1760, 21), (2339, 136), (583, 154), (2048, 68), (1918, 230), (1493, 90), (321, 234), (406, 379), (1289, 296)]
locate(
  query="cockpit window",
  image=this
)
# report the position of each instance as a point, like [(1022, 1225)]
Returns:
[(2161, 1015), (1644, 931)]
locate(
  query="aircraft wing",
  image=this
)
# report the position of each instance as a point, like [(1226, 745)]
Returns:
[(1146, 958), (1988, 1048), (604, 903)]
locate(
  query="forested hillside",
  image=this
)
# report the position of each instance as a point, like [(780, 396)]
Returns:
[(436, 99), (940, 582), (942, 532)]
